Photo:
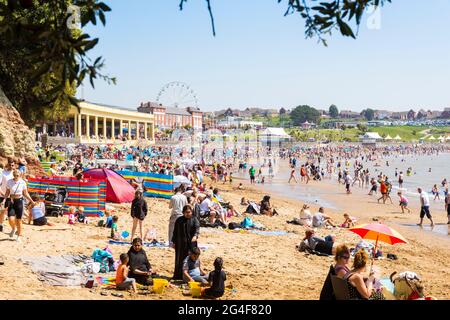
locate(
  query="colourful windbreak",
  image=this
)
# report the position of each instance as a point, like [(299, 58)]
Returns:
[(90, 195), (156, 185)]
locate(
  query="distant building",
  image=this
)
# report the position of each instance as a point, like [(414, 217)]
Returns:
[(170, 117), (411, 114), (403, 115), (382, 114), (237, 122), (348, 114)]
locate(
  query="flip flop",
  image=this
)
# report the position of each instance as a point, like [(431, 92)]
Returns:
[(119, 295)]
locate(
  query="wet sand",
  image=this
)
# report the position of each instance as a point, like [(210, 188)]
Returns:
[(258, 266)]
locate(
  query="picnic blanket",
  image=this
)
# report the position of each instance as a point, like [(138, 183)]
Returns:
[(62, 270), (153, 244)]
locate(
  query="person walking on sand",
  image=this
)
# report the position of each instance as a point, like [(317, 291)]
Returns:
[(447, 205), (292, 176), (6, 175), (425, 207), (403, 202), (139, 211), (16, 190)]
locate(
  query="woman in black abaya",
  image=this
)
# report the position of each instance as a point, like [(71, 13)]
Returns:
[(184, 239)]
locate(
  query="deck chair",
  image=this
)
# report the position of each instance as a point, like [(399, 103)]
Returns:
[(340, 288)]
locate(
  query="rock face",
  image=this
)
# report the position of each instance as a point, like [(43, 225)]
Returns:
[(16, 139)]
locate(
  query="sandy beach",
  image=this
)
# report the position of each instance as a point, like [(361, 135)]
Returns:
[(258, 266)]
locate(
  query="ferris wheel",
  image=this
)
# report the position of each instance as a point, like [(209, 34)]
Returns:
[(177, 94)]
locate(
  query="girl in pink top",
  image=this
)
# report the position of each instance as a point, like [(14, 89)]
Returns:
[(403, 202)]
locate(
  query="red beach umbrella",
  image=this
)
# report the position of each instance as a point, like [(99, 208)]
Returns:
[(378, 232)]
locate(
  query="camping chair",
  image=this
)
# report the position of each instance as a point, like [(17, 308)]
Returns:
[(327, 292), (340, 288)]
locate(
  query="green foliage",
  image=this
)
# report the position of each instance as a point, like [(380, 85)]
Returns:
[(362, 128), (369, 114), (43, 58), (333, 111), (304, 113)]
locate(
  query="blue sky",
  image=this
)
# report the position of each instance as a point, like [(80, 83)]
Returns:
[(259, 58)]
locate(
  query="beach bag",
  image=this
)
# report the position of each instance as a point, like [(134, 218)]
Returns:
[(407, 286), (247, 223)]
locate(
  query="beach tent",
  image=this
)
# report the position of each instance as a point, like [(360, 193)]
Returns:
[(388, 137), (118, 190), (441, 138), (397, 137), (372, 135), (432, 138)]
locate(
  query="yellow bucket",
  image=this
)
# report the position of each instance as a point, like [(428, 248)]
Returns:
[(159, 285), (196, 289)]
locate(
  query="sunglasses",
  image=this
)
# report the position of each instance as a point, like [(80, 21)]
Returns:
[(345, 257)]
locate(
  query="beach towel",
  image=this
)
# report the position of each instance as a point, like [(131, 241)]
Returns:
[(106, 282), (270, 233), (58, 270), (153, 244)]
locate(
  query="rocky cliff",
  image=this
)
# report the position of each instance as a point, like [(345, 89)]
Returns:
[(16, 139)]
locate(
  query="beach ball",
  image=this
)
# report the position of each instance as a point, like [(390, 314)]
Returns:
[(125, 234)]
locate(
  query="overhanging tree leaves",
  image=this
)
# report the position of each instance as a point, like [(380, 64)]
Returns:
[(323, 17), (43, 58)]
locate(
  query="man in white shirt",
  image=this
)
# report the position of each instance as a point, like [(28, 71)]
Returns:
[(320, 219), (177, 203), (207, 208), (7, 175), (425, 206)]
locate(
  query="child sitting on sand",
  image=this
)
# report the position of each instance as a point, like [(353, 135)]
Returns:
[(192, 269), (114, 231), (122, 280), (37, 212), (72, 215), (348, 222), (216, 280), (80, 216), (232, 212)]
